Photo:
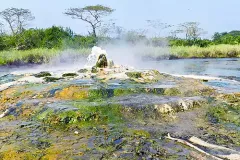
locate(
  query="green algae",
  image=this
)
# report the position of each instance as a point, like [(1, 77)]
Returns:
[(83, 71), (83, 116), (134, 74), (224, 113), (69, 75), (51, 79), (42, 74), (172, 92)]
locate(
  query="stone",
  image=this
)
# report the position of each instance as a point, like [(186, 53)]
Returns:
[(102, 61), (110, 64), (82, 70), (42, 74), (94, 69), (69, 75)]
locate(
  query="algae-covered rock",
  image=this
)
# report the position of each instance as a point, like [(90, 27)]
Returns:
[(102, 61), (69, 75), (42, 74), (51, 79), (94, 69), (134, 74), (172, 92), (83, 70), (73, 93), (144, 76), (110, 63)]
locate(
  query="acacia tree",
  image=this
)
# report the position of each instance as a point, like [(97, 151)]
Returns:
[(111, 30), (158, 26), (191, 29), (90, 14), (17, 18)]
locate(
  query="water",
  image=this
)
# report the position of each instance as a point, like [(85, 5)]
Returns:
[(226, 67), (223, 74)]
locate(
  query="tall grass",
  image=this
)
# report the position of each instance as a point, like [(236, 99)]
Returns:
[(215, 51), (35, 56), (38, 56)]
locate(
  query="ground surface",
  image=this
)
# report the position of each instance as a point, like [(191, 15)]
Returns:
[(106, 117)]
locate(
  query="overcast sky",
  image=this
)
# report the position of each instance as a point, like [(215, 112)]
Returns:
[(214, 15)]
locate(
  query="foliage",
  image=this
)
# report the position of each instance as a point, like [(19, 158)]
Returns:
[(34, 56), (17, 19), (195, 42), (232, 37), (191, 30), (213, 51), (90, 14), (54, 37)]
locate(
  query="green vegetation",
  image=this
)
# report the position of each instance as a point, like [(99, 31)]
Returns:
[(35, 56), (134, 74), (69, 75), (51, 79), (214, 51), (36, 45), (84, 116), (42, 74)]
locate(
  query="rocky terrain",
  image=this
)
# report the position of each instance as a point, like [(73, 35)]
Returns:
[(116, 113)]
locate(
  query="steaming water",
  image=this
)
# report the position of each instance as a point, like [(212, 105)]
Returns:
[(221, 73)]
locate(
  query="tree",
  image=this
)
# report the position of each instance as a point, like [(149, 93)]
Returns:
[(17, 18), (191, 29), (1, 28), (158, 26), (90, 14), (111, 30)]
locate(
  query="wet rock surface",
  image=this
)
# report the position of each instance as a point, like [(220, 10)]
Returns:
[(114, 113)]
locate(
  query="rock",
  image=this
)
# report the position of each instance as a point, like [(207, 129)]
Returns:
[(42, 74), (134, 74), (164, 108), (102, 61), (69, 75), (94, 69), (82, 70), (51, 79), (110, 63)]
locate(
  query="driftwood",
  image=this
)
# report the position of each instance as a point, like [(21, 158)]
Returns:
[(234, 155), (4, 113), (192, 146)]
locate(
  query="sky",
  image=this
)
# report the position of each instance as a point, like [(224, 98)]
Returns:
[(213, 15)]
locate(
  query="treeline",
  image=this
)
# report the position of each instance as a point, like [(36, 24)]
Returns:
[(62, 38), (232, 38), (54, 37)]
